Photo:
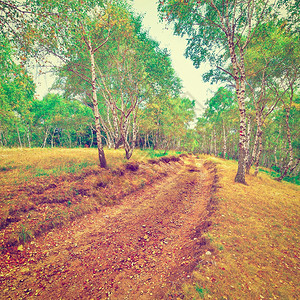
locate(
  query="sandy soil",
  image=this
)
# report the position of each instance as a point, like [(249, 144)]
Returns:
[(144, 248)]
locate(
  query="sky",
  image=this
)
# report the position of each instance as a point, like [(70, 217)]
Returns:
[(191, 77), (163, 33)]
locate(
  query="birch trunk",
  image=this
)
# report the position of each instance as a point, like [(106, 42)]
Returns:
[(130, 146), (294, 170), (224, 142), (92, 138), (254, 151), (248, 146), (276, 146), (28, 138), (211, 144), (19, 137), (215, 143), (52, 138), (260, 149), (290, 151), (240, 86), (70, 139), (101, 154), (45, 138)]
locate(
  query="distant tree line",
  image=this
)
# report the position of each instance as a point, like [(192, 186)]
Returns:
[(217, 133)]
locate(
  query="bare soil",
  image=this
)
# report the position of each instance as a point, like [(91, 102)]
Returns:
[(146, 247)]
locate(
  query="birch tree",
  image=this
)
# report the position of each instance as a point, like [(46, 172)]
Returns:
[(220, 31), (65, 30)]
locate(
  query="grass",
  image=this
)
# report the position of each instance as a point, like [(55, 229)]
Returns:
[(44, 188), (160, 153), (27, 164), (254, 240)]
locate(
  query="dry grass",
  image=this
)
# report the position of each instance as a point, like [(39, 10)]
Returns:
[(45, 188), (254, 241), (21, 165)]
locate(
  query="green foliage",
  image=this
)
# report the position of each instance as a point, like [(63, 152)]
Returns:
[(275, 174), (16, 94), (153, 154), (201, 291), (24, 234), (220, 103)]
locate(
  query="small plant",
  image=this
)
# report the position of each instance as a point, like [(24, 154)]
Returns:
[(7, 168), (40, 172), (142, 184), (25, 234), (201, 291), (221, 247)]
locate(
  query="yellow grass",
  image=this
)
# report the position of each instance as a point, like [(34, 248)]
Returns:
[(254, 240), (44, 188), (26, 164)]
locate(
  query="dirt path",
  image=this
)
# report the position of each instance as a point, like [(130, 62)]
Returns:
[(144, 248)]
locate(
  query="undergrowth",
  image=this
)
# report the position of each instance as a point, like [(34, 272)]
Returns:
[(273, 173)]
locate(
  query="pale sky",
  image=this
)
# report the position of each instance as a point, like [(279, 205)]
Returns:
[(163, 33), (190, 76)]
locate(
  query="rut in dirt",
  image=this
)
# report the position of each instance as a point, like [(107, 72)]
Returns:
[(144, 248)]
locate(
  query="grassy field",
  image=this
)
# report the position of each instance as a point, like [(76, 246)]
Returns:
[(44, 188), (254, 240), (23, 165)]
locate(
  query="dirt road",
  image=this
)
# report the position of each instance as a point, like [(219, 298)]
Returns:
[(144, 248)]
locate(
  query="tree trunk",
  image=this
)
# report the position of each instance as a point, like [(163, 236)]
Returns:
[(101, 154), (290, 151), (215, 143), (129, 143), (276, 146), (28, 138), (52, 138), (92, 138), (224, 142), (248, 145), (45, 139), (240, 176), (254, 151), (240, 86), (70, 139), (260, 148), (19, 137), (294, 168)]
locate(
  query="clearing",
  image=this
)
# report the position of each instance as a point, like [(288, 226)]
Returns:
[(145, 247)]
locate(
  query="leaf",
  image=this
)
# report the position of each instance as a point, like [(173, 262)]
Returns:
[(21, 248)]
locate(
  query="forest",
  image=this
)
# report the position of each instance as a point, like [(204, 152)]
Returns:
[(116, 88), (114, 186)]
